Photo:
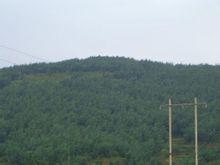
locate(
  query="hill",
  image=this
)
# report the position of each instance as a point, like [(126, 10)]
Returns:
[(105, 109)]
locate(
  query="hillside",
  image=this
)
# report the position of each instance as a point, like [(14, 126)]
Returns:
[(105, 109)]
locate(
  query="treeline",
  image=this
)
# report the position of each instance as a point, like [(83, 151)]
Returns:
[(84, 111)]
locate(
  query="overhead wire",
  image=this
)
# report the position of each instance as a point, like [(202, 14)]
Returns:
[(7, 61), (22, 52)]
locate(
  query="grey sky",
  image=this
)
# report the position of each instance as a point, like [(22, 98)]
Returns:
[(179, 31)]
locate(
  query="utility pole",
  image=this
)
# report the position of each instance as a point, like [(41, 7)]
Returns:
[(68, 159), (170, 105), (196, 130), (170, 131)]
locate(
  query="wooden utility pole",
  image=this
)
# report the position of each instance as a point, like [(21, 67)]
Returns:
[(68, 159), (105, 162), (170, 131), (196, 130), (170, 105)]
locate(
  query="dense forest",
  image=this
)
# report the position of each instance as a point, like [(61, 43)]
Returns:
[(105, 110)]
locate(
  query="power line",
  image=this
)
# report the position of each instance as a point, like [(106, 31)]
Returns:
[(195, 104), (22, 52), (7, 61)]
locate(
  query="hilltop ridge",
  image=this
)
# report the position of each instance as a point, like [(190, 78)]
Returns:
[(103, 108)]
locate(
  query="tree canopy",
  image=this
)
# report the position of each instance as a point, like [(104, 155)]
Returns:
[(84, 111)]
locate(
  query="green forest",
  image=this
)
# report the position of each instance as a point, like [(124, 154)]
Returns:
[(106, 111)]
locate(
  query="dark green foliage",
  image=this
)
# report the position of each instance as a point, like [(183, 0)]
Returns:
[(102, 107)]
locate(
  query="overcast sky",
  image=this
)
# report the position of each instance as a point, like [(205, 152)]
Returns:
[(178, 31)]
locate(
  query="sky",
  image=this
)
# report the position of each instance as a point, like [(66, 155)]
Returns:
[(175, 31)]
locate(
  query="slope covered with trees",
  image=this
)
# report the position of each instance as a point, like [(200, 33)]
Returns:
[(104, 109)]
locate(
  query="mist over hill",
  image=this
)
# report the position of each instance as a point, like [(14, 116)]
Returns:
[(105, 109)]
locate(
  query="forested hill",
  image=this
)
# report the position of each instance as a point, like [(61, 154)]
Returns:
[(105, 109)]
